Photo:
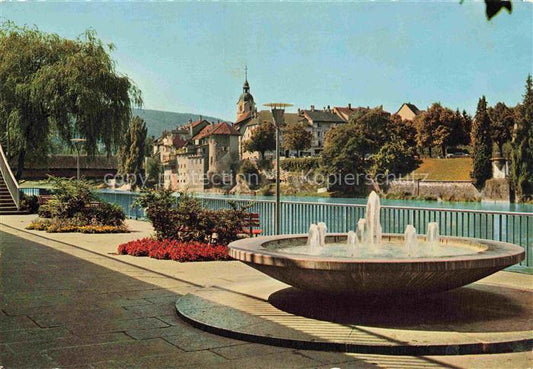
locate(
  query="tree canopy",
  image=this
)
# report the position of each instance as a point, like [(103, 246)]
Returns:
[(373, 123), (442, 127), (296, 137), (133, 149), (395, 158), (263, 139), (372, 144), (403, 129), (481, 144), (345, 150), (56, 86), (522, 154), (501, 124)]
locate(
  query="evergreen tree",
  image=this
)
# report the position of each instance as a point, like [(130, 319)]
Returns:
[(522, 154), (467, 124), (481, 144), (133, 150)]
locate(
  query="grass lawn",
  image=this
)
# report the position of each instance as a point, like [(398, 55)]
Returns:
[(31, 183), (453, 169)]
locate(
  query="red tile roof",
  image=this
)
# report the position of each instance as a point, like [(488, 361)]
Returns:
[(203, 133), (221, 128), (224, 128), (195, 123), (345, 112), (243, 117), (322, 116), (178, 142)]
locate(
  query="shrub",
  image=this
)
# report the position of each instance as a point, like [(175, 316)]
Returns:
[(49, 209), (160, 206), (174, 250), (72, 196), (183, 218), (264, 164), (104, 213), (226, 224), (39, 224), (266, 190), (250, 173), (300, 164), (74, 200), (29, 203), (110, 214)]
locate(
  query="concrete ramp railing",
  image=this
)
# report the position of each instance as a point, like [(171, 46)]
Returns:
[(9, 178)]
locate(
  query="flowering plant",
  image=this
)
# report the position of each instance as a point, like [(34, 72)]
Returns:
[(174, 250), (72, 225)]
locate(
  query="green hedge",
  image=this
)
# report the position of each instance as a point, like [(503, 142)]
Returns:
[(300, 164)]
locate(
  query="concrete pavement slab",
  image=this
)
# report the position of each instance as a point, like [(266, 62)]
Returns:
[(56, 270)]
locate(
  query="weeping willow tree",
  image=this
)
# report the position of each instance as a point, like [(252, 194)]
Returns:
[(56, 87)]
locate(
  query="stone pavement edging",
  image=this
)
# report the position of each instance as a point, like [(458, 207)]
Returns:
[(250, 318)]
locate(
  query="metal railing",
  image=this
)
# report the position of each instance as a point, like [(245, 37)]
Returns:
[(9, 178), (513, 227), (125, 199), (32, 191), (296, 216)]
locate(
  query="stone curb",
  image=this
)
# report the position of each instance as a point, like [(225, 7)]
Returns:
[(399, 350)]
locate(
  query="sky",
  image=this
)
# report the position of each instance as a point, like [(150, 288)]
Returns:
[(190, 56)]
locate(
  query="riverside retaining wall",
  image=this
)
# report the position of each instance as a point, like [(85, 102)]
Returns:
[(449, 190)]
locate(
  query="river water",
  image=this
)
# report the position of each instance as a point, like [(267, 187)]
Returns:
[(485, 205)]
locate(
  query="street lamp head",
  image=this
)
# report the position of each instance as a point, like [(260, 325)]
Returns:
[(278, 105), (278, 110)]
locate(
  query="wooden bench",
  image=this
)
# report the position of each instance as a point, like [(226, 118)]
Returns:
[(43, 199), (251, 223)]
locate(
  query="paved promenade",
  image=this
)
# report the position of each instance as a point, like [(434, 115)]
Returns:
[(69, 301)]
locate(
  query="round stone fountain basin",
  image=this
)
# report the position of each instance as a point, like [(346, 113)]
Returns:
[(375, 275)]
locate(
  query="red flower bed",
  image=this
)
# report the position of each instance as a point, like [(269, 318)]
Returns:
[(174, 250)]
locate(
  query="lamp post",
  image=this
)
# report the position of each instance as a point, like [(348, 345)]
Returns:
[(77, 142), (278, 111)]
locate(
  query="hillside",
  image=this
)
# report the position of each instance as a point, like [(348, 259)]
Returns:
[(157, 121), (456, 169)]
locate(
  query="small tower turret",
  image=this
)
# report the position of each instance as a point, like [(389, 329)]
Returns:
[(246, 102)]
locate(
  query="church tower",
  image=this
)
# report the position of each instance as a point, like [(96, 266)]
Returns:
[(246, 104)]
